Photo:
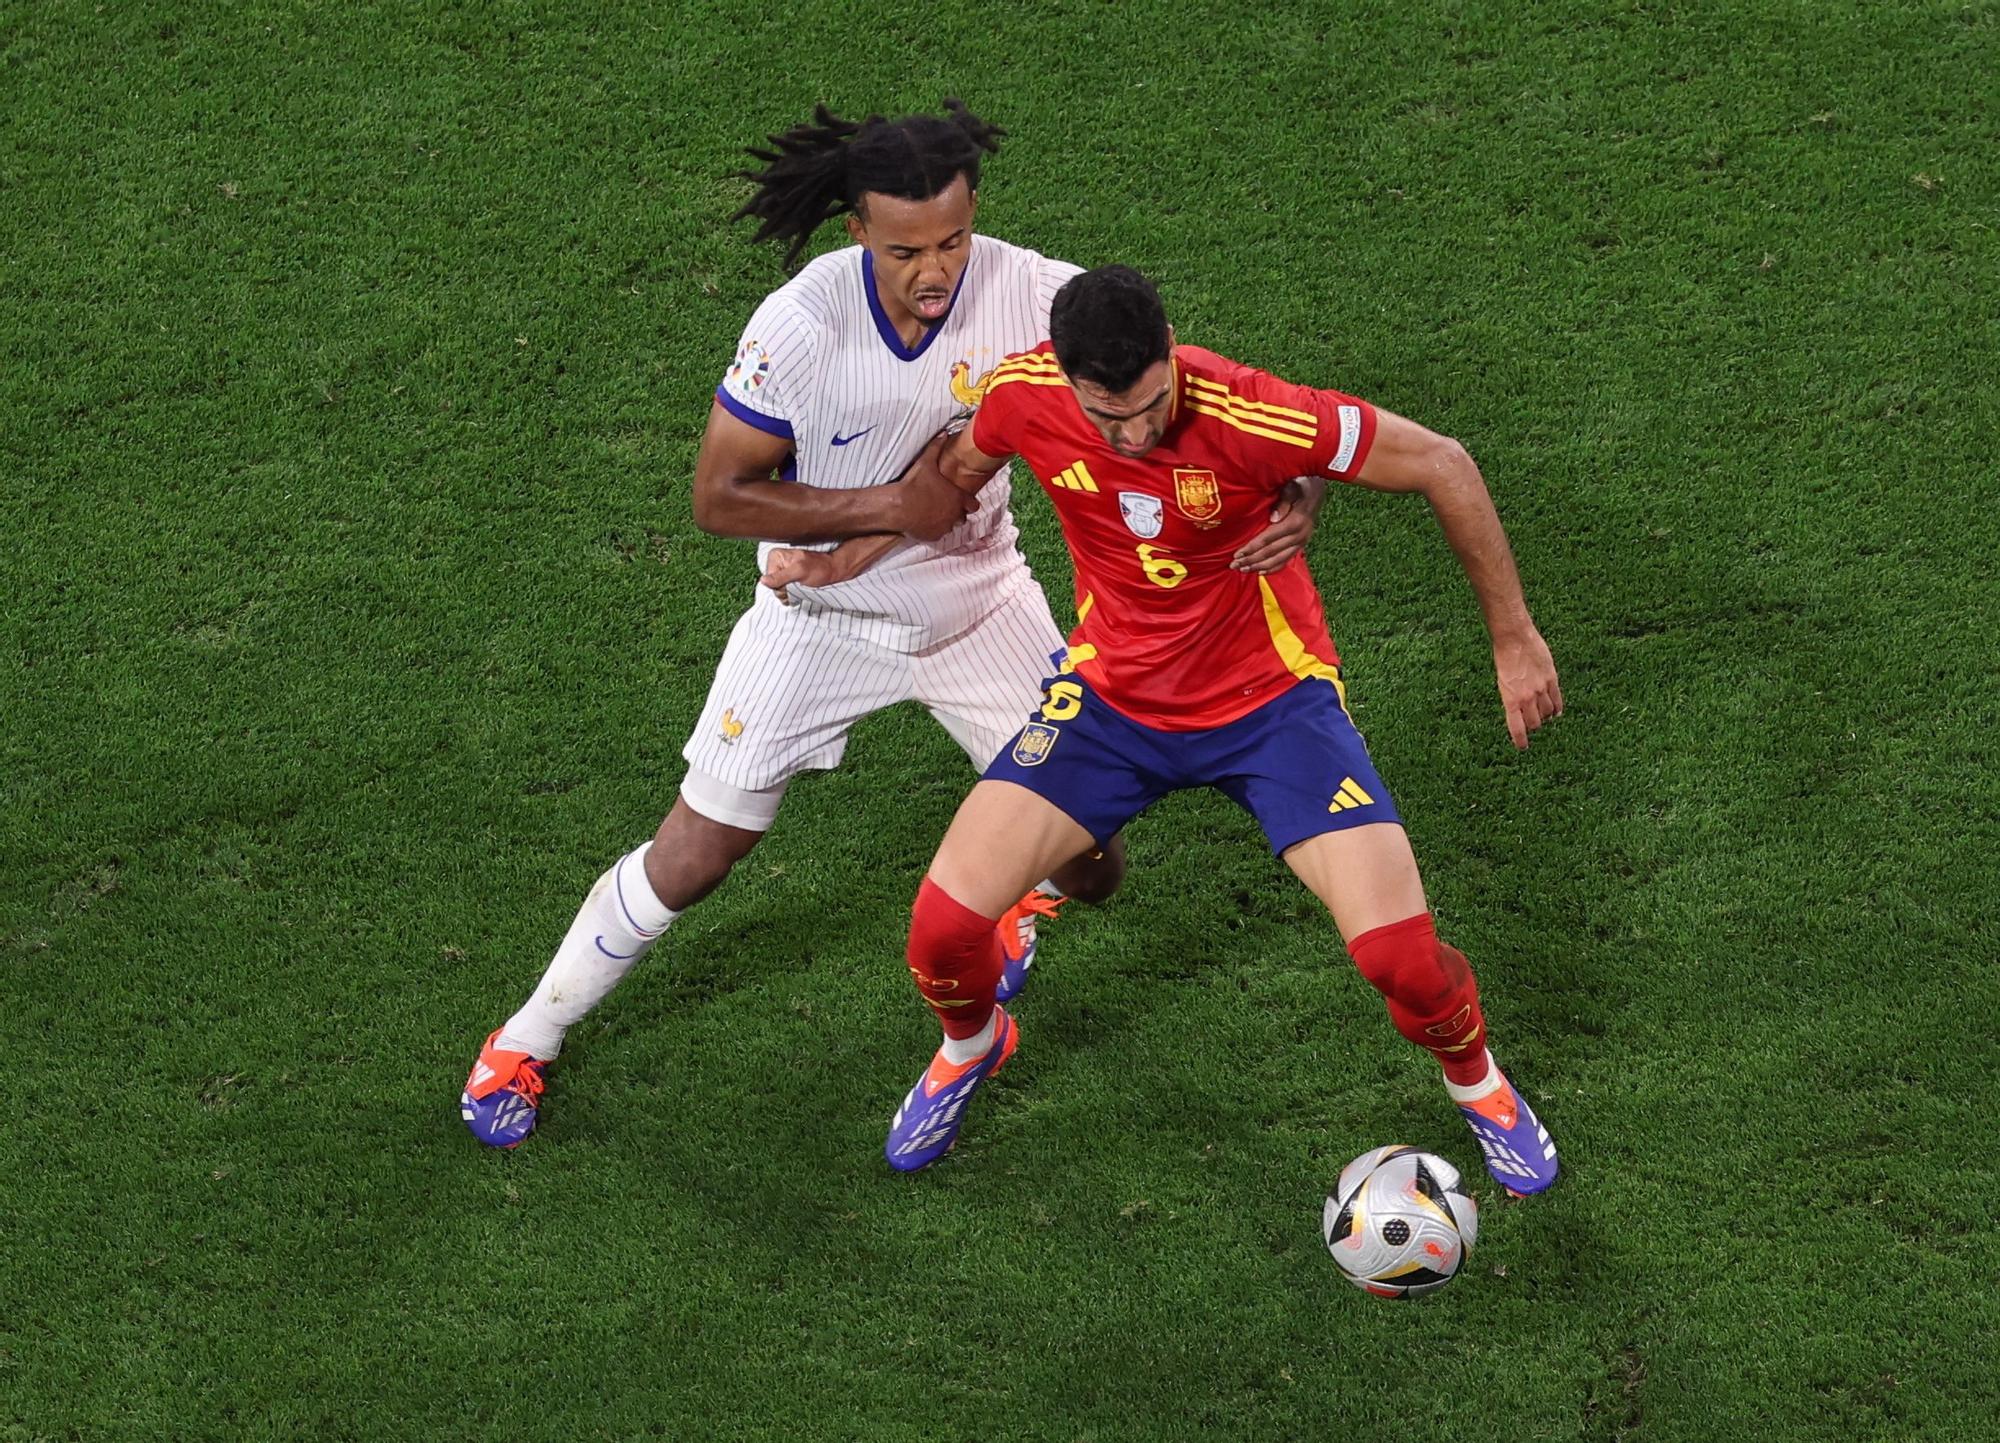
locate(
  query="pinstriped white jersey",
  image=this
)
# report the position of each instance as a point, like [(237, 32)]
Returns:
[(820, 365)]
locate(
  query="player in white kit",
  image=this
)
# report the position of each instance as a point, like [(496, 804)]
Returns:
[(841, 376)]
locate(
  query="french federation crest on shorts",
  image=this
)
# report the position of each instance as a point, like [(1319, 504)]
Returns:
[(1036, 741), (1199, 496), (1144, 515)]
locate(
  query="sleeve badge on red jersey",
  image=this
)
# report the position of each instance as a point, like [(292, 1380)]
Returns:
[(1036, 740), (1199, 496), (1144, 515)]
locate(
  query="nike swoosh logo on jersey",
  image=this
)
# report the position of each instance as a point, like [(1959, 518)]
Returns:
[(840, 440)]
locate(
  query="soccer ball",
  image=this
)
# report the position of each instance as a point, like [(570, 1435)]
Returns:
[(1399, 1222)]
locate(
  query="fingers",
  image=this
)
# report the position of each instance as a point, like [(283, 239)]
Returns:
[(1263, 557), (1291, 527), (1272, 547), (783, 567), (1547, 700), (1529, 711)]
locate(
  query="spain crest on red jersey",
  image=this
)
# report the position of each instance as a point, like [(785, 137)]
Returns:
[(1199, 496)]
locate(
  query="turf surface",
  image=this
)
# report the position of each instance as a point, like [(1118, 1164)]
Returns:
[(354, 363)]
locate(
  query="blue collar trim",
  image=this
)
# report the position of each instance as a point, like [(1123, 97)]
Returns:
[(888, 332)]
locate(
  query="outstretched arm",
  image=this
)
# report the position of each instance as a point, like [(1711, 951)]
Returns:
[(1408, 457), (948, 462)]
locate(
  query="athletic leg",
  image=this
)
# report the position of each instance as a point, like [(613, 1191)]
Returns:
[(785, 695), (1366, 877), (630, 907), (1002, 839), (1329, 815), (981, 686), (1072, 778), (1095, 875)]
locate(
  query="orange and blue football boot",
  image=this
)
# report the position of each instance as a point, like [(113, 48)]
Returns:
[(926, 1125), (1519, 1152), (1018, 942), (503, 1096)]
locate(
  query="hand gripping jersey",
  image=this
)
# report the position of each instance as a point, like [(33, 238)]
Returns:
[(1166, 632), (820, 365)]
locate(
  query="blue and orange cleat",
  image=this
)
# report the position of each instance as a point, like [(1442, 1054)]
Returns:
[(503, 1096), (1519, 1152), (926, 1125), (1018, 942)]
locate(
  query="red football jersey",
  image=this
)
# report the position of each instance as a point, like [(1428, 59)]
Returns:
[(1166, 632)]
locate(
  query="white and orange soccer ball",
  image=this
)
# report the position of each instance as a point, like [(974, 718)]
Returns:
[(1400, 1222)]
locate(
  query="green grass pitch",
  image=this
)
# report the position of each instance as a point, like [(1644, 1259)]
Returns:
[(352, 361)]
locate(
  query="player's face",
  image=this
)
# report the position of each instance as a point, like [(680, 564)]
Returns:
[(920, 247), (1130, 421)]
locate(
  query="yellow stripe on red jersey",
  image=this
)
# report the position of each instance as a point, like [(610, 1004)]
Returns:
[(1035, 368), (1303, 423), (1276, 423), (1255, 429), (1031, 365)]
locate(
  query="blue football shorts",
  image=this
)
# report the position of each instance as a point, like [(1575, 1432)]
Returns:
[(1296, 763)]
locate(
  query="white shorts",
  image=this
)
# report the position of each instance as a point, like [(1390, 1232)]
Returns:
[(789, 689)]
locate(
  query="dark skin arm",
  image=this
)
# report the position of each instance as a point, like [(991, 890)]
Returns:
[(948, 458), (1292, 517), (735, 495)]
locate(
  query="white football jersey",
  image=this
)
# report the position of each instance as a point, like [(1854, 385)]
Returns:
[(821, 366)]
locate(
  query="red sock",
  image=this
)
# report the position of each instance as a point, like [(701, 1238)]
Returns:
[(1431, 995), (955, 956)]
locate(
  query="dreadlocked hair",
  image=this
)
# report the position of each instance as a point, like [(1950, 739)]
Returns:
[(812, 173)]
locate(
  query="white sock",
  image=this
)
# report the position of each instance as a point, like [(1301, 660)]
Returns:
[(1492, 1084), (961, 1050), (1047, 885), (618, 922)]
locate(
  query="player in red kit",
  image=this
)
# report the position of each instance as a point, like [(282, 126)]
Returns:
[(1188, 670)]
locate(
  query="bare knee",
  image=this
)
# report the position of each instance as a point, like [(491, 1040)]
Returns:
[(691, 854), (1094, 876)]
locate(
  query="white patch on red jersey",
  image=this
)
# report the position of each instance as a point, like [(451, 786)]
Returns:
[(1144, 515), (1350, 437)]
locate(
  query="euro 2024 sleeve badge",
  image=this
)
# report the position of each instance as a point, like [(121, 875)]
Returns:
[(749, 371)]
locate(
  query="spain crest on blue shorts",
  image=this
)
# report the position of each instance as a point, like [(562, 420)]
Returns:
[(1296, 763), (1032, 747)]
